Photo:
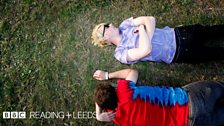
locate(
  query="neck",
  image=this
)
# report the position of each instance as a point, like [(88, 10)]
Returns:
[(116, 41)]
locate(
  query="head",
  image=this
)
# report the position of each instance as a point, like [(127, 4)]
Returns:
[(105, 96), (103, 34)]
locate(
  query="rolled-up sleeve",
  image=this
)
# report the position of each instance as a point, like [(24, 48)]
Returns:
[(121, 51), (126, 23), (121, 55)]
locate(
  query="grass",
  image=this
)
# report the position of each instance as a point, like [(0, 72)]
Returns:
[(47, 59)]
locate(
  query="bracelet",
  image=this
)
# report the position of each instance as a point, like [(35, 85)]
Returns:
[(107, 76)]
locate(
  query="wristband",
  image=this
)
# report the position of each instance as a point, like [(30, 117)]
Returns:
[(107, 76)]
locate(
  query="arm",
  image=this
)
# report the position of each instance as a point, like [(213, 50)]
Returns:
[(104, 116), (145, 38), (128, 74), (144, 47), (149, 22)]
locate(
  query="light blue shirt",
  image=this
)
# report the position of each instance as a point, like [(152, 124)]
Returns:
[(163, 43)]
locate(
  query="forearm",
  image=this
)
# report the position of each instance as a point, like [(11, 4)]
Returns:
[(145, 40), (128, 74), (144, 46), (121, 74), (98, 111), (149, 22)]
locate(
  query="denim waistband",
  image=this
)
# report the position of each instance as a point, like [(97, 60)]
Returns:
[(202, 97), (190, 107)]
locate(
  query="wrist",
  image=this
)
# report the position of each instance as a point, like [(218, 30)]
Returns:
[(107, 76), (142, 27)]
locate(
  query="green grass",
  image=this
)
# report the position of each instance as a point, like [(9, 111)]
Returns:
[(47, 59)]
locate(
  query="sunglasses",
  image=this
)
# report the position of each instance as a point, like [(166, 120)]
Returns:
[(107, 25)]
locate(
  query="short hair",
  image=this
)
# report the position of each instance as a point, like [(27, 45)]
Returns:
[(105, 96), (97, 37)]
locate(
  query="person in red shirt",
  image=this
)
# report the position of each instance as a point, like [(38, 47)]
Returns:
[(199, 103)]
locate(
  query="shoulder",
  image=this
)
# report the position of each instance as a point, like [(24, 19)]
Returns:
[(122, 81), (122, 84), (127, 23), (121, 54), (123, 90)]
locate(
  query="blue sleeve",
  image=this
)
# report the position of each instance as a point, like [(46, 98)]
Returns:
[(121, 54), (126, 23)]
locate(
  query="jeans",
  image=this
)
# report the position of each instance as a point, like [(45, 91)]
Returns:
[(206, 103), (197, 43)]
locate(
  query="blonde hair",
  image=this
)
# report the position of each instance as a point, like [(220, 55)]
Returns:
[(97, 37)]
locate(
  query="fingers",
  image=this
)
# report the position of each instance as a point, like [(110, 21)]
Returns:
[(111, 115), (108, 116), (98, 78), (98, 74)]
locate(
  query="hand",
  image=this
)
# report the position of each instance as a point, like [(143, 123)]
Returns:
[(100, 75), (106, 116)]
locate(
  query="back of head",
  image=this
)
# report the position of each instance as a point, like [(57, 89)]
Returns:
[(105, 96), (97, 37)]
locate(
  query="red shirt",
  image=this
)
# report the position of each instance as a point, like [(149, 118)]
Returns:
[(143, 113)]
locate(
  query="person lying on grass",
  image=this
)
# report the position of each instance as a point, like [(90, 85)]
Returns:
[(199, 103), (138, 39)]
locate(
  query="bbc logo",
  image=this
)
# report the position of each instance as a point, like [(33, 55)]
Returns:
[(14, 115)]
